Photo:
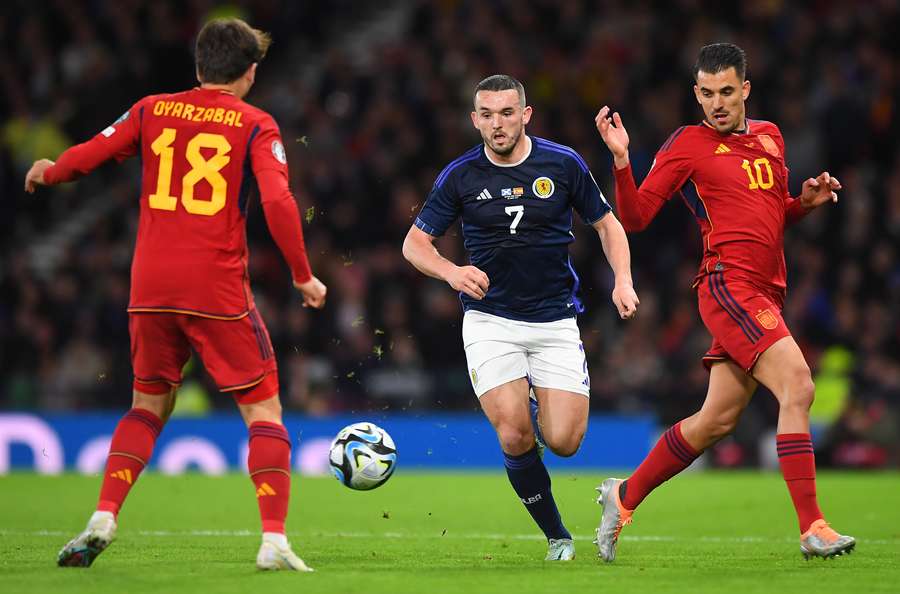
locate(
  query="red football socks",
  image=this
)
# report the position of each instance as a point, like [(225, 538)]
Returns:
[(798, 466), (269, 463), (671, 454), (129, 452)]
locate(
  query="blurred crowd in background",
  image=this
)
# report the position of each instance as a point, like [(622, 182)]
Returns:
[(373, 99)]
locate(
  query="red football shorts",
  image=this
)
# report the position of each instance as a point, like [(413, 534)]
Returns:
[(743, 318), (237, 354)]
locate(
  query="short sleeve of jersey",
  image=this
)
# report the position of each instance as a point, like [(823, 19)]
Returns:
[(670, 170), (267, 149), (442, 207), (587, 199)]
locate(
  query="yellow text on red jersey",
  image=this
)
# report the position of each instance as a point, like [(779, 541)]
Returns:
[(198, 113)]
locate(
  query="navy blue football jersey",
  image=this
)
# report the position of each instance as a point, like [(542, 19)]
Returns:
[(517, 226)]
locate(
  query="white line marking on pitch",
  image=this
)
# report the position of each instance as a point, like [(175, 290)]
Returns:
[(449, 534)]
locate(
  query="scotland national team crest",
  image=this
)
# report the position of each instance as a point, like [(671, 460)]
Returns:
[(543, 187), (767, 319), (278, 151)]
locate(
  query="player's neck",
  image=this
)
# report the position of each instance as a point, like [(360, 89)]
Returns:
[(521, 152), (226, 88)]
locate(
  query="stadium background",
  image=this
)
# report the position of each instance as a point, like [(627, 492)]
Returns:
[(373, 100)]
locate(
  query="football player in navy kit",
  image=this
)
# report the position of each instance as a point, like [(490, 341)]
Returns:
[(515, 194)]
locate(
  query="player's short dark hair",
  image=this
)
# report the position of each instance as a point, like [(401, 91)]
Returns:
[(226, 48), (501, 82), (717, 57)]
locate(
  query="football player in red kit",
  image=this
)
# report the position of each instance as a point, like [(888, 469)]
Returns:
[(201, 150), (731, 173)]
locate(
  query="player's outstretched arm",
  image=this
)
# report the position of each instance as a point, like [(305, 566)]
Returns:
[(635, 207), (615, 246), (118, 141), (419, 250)]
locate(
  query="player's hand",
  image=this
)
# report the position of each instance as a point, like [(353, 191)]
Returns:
[(819, 190), (35, 175), (470, 280), (626, 301), (613, 133), (313, 292)]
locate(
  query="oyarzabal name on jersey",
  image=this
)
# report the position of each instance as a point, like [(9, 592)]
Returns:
[(195, 113)]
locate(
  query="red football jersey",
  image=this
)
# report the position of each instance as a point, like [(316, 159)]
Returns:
[(736, 186), (200, 151)]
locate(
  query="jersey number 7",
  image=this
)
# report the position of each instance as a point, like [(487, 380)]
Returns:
[(518, 211), (201, 168)]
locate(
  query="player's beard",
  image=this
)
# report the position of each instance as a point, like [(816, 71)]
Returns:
[(731, 124), (504, 150)]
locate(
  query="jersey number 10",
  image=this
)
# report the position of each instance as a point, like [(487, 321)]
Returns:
[(201, 168), (759, 180)]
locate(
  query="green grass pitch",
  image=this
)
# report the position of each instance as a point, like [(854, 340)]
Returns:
[(717, 532)]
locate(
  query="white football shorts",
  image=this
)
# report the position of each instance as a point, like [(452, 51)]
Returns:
[(549, 354)]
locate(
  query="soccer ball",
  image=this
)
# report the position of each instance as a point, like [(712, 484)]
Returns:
[(363, 456)]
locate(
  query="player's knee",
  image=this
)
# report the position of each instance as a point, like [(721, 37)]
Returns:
[(800, 392), (268, 411), (515, 440), (567, 444), (160, 405)]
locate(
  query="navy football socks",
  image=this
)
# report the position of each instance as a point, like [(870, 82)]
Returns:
[(529, 478)]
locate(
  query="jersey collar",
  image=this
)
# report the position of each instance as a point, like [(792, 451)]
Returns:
[(208, 90), (517, 163), (746, 129)]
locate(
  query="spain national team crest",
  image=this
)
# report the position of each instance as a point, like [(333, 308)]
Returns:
[(543, 187), (767, 319), (767, 143)]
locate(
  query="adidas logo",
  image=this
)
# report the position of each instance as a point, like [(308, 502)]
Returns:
[(485, 195), (722, 149), (124, 475), (264, 490)]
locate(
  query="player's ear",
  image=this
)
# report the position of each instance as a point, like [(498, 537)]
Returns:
[(745, 89), (697, 94), (526, 114), (475, 119), (251, 73)]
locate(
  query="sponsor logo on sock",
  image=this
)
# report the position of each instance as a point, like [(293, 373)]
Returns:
[(124, 475), (532, 499), (264, 490)]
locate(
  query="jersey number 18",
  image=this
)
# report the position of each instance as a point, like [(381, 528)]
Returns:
[(201, 168)]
